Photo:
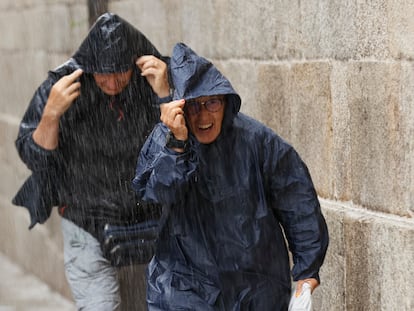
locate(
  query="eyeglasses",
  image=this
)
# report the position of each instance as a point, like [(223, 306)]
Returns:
[(193, 107)]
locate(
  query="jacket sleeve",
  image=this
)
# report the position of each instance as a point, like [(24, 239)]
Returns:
[(38, 193), (296, 206), (34, 156), (162, 175)]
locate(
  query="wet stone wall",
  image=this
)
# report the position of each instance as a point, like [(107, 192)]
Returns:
[(334, 78)]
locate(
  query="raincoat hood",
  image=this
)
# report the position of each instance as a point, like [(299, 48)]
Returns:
[(112, 45), (194, 76)]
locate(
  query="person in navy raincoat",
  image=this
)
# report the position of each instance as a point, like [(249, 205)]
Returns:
[(230, 188), (79, 137)]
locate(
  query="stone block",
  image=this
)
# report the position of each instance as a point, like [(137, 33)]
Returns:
[(300, 110), (13, 24), (343, 29), (151, 18), (273, 97), (341, 149), (372, 29), (368, 263), (79, 26), (48, 28), (23, 71), (27, 4), (200, 17), (242, 74), (54, 28), (379, 254), (283, 30), (311, 120), (373, 132), (38, 250), (13, 170), (330, 295), (258, 30), (401, 29), (324, 29), (407, 132), (6, 5), (377, 143)]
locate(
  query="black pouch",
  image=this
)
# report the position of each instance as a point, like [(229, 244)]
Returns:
[(130, 244)]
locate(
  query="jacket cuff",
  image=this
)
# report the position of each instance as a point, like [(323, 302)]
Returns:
[(166, 99), (39, 157)]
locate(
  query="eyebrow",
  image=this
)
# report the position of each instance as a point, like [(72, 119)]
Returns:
[(205, 98)]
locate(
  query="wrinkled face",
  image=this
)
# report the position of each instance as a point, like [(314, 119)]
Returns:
[(112, 83), (205, 117)]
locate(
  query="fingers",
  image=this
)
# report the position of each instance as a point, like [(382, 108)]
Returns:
[(311, 281), (152, 67), (64, 92), (174, 107), (172, 115), (170, 110), (149, 62), (73, 91), (76, 74), (298, 289), (146, 62), (142, 60), (155, 71), (71, 78), (69, 86)]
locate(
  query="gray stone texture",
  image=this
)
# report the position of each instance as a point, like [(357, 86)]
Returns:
[(21, 291), (333, 78)]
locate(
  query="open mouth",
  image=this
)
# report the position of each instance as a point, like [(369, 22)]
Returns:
[(204, 127)]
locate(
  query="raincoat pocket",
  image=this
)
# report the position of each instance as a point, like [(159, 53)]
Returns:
[(130, 244), (195, 288)]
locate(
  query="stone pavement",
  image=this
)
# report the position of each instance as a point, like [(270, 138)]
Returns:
[(20, 291)]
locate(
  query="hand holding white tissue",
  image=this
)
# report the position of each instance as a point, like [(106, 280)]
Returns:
[(301, 301)]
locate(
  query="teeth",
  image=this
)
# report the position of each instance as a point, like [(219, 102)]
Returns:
[(206, 126)]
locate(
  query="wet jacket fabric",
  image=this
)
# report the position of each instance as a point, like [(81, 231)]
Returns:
[(89, 174), (221, 246)]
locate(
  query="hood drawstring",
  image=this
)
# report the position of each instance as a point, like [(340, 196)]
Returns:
[(114, 105)]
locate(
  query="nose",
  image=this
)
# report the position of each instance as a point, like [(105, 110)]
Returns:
[(112, 82)]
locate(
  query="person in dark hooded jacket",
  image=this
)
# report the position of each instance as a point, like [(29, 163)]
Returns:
[(232, 190), (80, 136)]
